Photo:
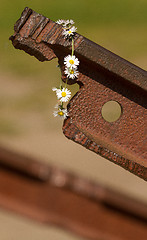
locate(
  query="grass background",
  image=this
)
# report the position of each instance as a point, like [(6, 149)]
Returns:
[(26, 98)]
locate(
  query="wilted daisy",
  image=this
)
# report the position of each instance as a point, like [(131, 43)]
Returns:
[(71, 61), (71, 73), (61, 21), (61, 112), (69, 32)]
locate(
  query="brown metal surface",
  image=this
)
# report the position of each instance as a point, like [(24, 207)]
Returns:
[(68, 201), (103, 77)]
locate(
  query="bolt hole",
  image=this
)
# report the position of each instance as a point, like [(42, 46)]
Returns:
[(111, 111)]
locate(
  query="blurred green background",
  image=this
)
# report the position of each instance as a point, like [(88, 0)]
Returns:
[(27, 101)]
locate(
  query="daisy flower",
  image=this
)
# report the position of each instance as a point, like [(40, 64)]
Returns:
[(68, 23), (61, 21), (71, 61), (71, 73), (69, 32), (62, 94), (61, 112)]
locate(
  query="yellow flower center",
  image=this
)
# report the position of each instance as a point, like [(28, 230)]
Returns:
[(71, 71), (60, 113), (63, 94), (69, 31), (71, 61)]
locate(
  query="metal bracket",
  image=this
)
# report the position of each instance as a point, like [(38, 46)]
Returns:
[(103, 77)]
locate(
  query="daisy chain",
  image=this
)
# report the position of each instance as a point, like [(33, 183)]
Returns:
[(71, 63)]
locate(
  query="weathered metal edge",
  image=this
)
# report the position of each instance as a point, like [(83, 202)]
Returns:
[(21, 21), (113, 63), (72, 132), (96, 54)]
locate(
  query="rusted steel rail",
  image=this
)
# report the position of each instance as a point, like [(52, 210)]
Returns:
[(103, 77), (52, 196)]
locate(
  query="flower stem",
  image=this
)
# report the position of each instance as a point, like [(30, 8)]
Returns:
[(60, 84), (61, 105), (72, 47), (66, 83)]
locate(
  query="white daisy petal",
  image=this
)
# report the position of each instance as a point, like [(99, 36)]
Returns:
[(71, 22), (71, 61), (61, 21), (57, 90), (71, 73), (54, 89), (69, 32), (64, 95), (60, 112), (68, 23)]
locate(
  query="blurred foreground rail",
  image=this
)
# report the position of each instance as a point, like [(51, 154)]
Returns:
[(104, 78), (53, 196)]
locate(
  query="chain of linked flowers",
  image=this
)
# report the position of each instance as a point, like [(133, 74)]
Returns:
[(71, 63)]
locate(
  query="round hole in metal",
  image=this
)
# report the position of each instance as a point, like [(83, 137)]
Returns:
[(111, 111)]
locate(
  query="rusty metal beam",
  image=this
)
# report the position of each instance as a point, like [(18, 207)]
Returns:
[(66, 200), (103, 77)]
